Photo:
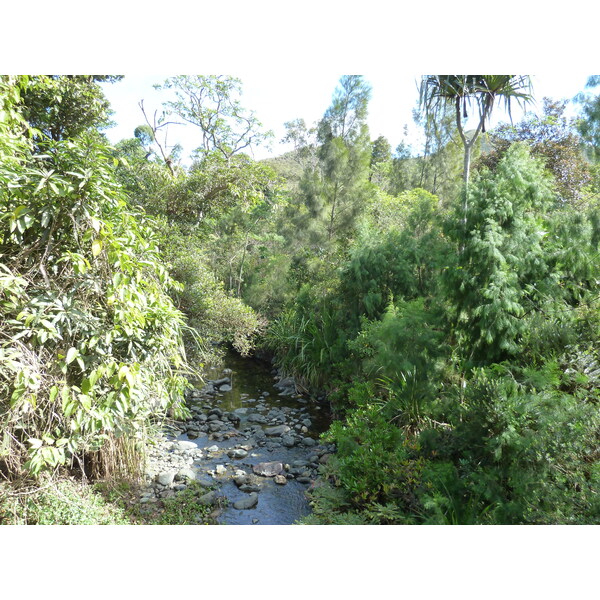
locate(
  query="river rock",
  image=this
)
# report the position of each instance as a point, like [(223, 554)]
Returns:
[(184, 474), (250, 487), (184, 446), (166, 478), (256, 418), (208, 499), (237, 453), (277, 430), (225, 388), (245, 503), (240, 480), (221, 469), (308, 441), (287, 382), (268, 469), (280, 479), (205, 481), (288, 441)]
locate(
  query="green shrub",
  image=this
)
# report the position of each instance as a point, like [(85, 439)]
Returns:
[(59, 502), (91, 343)]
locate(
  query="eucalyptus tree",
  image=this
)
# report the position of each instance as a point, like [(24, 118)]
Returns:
[(211, 103)]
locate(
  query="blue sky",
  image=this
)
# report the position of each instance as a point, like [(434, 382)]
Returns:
[(288, 96)]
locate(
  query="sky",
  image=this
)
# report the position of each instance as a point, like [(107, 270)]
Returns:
[(290, 95)]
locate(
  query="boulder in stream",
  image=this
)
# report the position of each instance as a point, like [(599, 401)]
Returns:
[(268, 469), (276, 430), (245, 503)]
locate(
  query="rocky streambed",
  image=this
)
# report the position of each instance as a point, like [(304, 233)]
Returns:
[(252, 444)]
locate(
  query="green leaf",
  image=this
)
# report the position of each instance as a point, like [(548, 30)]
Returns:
[(53, 393), (96, 247), (72, 354), (86, 401)]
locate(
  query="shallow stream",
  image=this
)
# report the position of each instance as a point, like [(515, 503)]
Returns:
[(253, 395)]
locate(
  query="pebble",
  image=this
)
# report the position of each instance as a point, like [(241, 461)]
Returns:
[(258, 432)]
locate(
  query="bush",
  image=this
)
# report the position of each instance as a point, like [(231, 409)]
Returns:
[(90, 342)]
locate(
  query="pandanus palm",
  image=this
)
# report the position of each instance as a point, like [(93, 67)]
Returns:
[(464, 91)]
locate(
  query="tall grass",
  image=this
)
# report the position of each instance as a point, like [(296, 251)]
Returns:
[(307, 347)]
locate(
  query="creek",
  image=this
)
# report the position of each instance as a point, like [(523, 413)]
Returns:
[(244, 416)]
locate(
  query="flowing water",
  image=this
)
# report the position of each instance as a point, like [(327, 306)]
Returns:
[(250, 380)]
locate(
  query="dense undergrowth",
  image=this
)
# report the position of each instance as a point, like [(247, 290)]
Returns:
[(71, 501), (452, 325), (470, 393)]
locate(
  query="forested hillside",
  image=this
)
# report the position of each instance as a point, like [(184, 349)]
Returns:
[(443, 306)]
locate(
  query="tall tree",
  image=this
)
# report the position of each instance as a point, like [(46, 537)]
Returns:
[(336, 189), (64, 106), (589, 121), (211, 103), (464, 91)]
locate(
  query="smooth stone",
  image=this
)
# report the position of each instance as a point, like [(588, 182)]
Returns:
[(208, 499), (240, 480), (280, 479), (237, 453), (245, 503), (285, 383), (268, 469), (205, 482), (183, 445), (256, 418), (214, 448), (166, 478), (225, 388), (308, 441), (221, 469), (277, 430), (185, 474), (250, 487)]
